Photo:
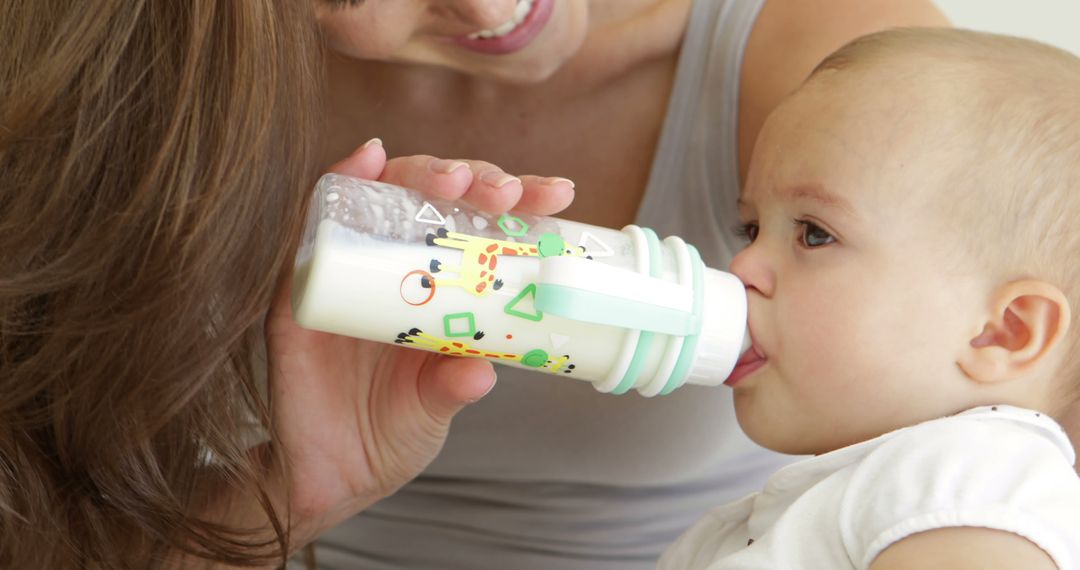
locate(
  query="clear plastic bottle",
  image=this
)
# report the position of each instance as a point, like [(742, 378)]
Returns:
[(621, 309)]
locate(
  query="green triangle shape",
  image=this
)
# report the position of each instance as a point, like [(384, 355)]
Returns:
[(528, 291)]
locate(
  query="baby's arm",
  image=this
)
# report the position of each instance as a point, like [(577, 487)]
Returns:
[(963, 548)]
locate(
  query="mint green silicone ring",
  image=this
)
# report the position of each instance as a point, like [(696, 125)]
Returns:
[(689, 347), (655, 269), (646, 337), (634, 370)]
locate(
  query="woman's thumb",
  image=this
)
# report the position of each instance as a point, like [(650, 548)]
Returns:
[(449, 384)]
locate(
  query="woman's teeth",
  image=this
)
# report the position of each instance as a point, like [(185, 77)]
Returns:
[(521, 11)]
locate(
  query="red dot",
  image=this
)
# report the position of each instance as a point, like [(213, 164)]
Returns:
[(509, 336)]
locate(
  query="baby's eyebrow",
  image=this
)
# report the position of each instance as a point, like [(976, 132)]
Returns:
[(817, 193), (814, 192)]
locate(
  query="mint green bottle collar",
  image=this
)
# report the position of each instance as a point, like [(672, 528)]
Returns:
[(689, 347), (645, 339), (594, 305)]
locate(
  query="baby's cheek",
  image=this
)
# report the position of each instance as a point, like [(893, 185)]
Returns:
[(820, 330), (830, 350)]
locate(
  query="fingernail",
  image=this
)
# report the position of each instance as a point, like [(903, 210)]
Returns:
[(557, 179), (364, 146), (486, 392), (498, 179), (444, 166)]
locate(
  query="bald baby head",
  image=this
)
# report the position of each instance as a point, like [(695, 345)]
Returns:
[(1006, 108), (1001, 116)]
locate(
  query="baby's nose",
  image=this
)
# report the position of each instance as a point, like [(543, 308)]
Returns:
[(753, 269), (478, 14)]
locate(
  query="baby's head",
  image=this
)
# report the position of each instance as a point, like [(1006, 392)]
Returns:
[(914, 217)]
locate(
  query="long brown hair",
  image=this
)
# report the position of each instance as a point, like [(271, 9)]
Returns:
[(154, 158)]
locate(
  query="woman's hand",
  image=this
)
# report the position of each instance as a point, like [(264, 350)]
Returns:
[(358, 419)]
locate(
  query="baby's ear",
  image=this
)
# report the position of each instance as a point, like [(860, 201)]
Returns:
[(1025, 321)]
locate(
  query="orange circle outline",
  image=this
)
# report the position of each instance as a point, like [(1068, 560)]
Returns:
[(431, 279)]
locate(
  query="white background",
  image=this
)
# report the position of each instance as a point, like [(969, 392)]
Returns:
[(1055, 22)]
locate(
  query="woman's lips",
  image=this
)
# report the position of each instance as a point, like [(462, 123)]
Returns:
[(518, 38), (750, 361)]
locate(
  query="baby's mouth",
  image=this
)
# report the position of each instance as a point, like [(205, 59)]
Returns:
[(752, 359)]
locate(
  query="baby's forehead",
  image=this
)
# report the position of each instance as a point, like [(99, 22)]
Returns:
[(935, 109), (912, 85), (863, 116), (877, 148)]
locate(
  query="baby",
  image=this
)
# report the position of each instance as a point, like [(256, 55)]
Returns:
[(913, 212)]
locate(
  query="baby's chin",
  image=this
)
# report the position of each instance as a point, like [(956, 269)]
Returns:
[(775, 432), (762, 429), (792, 444)]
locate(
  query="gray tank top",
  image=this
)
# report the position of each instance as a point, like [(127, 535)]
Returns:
[(546, 474)]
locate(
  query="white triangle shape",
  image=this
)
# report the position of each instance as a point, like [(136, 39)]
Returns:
[(429, 215), (557, 340), (594, 247)]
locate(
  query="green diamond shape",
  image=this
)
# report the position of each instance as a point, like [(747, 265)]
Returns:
[(448, 324)]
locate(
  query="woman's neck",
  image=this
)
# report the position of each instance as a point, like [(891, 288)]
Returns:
[(623, 35)]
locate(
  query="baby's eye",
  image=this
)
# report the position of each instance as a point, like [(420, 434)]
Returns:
[(747, 231), (813, 235)]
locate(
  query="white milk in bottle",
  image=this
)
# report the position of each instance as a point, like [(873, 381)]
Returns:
[(618, 308)]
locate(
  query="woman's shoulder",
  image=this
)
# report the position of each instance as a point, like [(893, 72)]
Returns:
[(790, 37)]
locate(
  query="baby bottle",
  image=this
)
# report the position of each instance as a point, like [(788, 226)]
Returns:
[(621, 309)]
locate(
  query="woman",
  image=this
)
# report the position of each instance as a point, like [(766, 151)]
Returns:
[(652, 108), (156, 158)]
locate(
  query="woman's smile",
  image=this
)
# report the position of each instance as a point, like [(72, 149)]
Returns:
[(530, 17)]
